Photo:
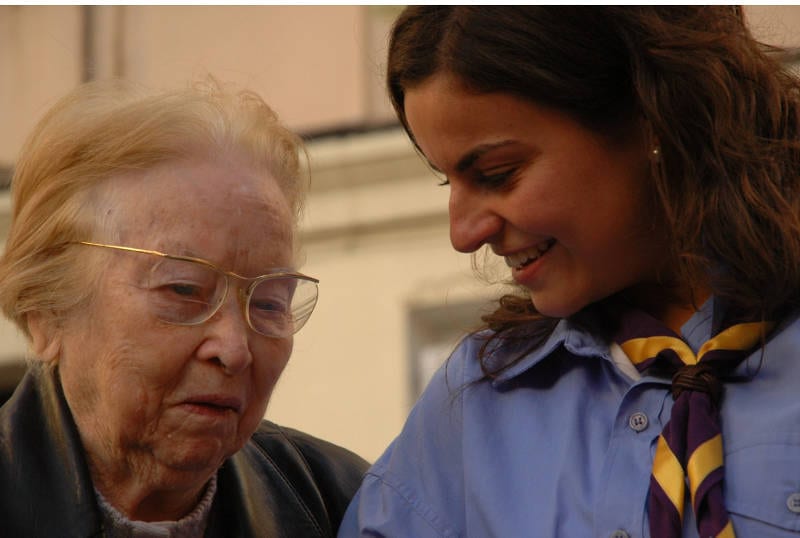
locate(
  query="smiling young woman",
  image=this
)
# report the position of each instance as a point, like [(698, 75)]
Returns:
[(638, 169)]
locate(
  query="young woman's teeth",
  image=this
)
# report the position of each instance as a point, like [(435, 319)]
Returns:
[(525, 257)]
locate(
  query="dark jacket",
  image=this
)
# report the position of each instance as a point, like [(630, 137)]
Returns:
[(283, 483)]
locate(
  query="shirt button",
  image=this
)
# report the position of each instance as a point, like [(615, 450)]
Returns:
[(793, 502), (620, 534), (638, 422)]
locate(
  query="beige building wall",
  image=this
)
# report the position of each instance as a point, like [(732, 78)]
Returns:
[(394, 296), (319, 66), (39, 61)]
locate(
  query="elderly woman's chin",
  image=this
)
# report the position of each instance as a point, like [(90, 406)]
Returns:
[(192, 448), (200, 439)]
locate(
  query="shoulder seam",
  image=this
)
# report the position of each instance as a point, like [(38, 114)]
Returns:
[(415, 506)]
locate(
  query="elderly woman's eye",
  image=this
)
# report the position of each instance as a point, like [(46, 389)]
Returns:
[(182, 291), (187, 290), (269, 306)]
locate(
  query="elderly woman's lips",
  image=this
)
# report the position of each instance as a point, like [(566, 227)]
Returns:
[(213, 404)]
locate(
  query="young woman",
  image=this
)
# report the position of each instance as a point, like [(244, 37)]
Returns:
[(638, 168)]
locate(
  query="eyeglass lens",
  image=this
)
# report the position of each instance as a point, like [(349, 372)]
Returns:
[(188, 293)]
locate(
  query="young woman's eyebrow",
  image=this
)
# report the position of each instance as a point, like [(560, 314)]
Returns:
[(469, 159)]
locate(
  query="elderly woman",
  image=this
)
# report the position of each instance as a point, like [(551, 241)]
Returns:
[(151, 264)]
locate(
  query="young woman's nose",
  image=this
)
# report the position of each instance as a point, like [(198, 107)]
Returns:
[(473, 223)]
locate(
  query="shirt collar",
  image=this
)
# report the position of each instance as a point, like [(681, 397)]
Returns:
[(578, 341), (572, 337), (697, 329)]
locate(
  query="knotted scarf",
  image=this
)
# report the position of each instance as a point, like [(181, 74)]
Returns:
[(690, 445)]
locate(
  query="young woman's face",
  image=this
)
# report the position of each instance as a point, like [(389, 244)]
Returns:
[(565, 206)]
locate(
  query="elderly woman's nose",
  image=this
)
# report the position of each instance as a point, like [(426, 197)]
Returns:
[(228, 339)]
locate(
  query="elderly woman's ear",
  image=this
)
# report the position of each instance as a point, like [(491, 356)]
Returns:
[(45, 336)]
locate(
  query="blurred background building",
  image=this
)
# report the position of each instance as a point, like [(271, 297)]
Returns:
[(394, 297)]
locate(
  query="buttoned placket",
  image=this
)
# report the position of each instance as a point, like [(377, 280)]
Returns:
[(642, 413)]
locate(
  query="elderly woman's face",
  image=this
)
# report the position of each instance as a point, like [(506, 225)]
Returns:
[(172, 402)]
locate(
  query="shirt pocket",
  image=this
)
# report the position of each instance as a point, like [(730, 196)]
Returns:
[(762, 485)]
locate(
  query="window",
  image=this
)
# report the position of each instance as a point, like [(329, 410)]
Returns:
[(434, 332)]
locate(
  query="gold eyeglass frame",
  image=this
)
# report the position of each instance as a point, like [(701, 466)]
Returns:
[(244, 292)]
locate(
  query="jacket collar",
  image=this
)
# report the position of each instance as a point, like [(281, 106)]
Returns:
[(45, 482), (266, 489)]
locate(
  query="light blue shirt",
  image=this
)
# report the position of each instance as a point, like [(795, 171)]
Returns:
[(562, 443)]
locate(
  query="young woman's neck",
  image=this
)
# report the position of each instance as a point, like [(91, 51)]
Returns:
[(672, 306)]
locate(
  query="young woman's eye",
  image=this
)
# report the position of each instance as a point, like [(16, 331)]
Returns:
[(493, 179)]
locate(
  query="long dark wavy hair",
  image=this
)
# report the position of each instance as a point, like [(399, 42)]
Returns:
[(722, 107)]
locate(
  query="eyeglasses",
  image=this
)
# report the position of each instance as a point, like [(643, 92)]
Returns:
[(184, 290)]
